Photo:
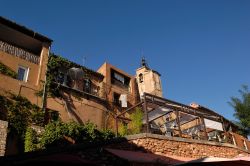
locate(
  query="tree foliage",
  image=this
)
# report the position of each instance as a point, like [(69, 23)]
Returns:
[(242, 109), (123, 129), (136, 121), (135, 125)]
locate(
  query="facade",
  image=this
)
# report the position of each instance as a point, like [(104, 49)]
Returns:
[(80, 96), (24, 53), (87, 95), (23, 64), (118, 83), (148, 80)]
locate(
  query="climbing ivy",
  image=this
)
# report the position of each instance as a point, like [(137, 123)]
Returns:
[(57, 62), (7, 71), (20, 113)]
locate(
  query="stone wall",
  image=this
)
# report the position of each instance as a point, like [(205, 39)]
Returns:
[(174, 146), (3, 136)]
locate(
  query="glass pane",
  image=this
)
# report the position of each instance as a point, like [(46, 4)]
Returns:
[(21, 74)]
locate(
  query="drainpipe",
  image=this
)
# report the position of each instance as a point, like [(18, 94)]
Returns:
[(44, 97)]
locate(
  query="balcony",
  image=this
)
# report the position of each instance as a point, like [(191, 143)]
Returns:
[(18, 52), (92, 90)]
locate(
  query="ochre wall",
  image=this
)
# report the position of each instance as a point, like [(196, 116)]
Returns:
[(13, 62), (105, 69), (35, 77), (78, 109)]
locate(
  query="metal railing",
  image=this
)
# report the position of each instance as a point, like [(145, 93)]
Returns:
[(18, 52)]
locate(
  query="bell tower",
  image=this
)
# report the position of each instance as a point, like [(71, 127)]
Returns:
[(148, 80)]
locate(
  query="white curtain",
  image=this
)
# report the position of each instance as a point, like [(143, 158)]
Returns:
[(123, 99), (213, 124)]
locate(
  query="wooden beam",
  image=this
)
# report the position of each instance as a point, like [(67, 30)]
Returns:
[(145, 109), (124, 118), (160, 116), (205, 129), (130, 109), (152, 98), (116, 126), (183, 110), (178, 122), (223, 124), (190, 121)]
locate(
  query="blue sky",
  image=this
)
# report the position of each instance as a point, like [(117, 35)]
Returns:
[(201, 47)]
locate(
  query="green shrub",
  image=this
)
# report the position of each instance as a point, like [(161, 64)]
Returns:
[(31, 140), (123, 129), (55, 131), (136, 121)]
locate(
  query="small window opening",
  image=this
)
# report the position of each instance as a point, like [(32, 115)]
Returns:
[(140, 78), (116, 97), (22, 74)]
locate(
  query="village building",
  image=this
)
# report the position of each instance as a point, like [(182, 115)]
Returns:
[(107, 97), (75, 93), (23, 58), (23, 63), (86, 95)]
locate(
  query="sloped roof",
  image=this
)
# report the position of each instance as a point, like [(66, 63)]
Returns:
[(25, 30)]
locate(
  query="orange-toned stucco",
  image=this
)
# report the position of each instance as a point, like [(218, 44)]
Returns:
[(36, 76), (131, 92)]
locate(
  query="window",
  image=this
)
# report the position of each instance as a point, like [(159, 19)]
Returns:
[(119, 79), (87, 85), (60, 77), (116, 98), (140, 78), (53, 116), (23, 73)]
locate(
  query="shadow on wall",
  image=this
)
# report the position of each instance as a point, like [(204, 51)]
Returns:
[(70, 108)]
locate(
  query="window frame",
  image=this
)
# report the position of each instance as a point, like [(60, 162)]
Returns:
[(26, 73)]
